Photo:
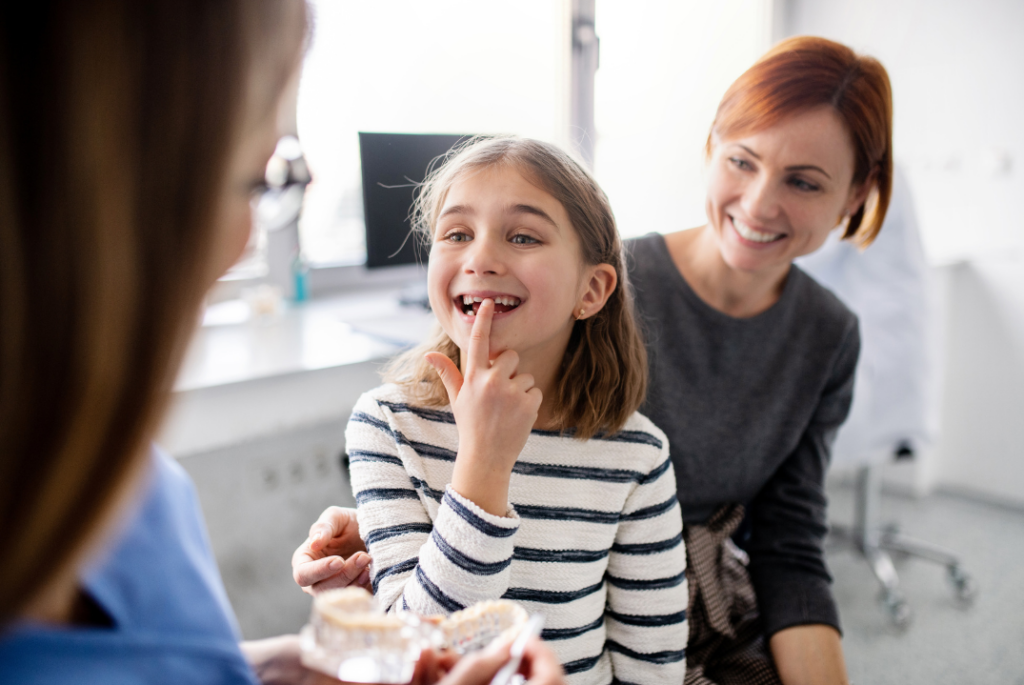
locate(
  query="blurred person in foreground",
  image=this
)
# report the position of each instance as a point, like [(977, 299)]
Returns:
[(133, 138)]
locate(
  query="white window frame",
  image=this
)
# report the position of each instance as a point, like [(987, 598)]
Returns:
[(326, 279)]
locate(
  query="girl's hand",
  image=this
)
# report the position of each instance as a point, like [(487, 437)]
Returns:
[(494, 411)]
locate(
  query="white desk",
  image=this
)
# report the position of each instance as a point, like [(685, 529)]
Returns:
[(248, 377)]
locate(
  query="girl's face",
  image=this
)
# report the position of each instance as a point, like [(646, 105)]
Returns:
[(499, 236), (776, 194)]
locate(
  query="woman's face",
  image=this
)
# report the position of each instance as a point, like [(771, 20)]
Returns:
[(775, 195), (246, 172)]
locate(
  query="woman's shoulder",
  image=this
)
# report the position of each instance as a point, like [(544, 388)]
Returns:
[(647, 254), (817, 305)]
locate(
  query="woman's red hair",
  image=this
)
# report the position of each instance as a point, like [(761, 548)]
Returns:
[(806, 72)]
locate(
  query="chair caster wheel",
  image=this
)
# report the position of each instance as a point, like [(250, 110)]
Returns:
[(964, 585), (899, 611)]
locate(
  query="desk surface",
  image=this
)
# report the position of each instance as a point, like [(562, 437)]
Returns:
[(234, 346)]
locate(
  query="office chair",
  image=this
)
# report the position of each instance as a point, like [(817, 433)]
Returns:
[(894, 411)]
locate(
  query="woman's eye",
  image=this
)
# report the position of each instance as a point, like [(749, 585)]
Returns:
[(740, 163), (801, 184), (523, 239)]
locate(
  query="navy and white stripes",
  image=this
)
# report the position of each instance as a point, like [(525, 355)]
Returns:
[(592, 539)]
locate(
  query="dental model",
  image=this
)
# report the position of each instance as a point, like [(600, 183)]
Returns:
[(477, 626), (351, 638)]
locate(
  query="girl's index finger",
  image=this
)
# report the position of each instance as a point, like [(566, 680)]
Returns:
[(480, 337)]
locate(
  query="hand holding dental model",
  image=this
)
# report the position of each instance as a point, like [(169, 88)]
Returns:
[(495, 409)]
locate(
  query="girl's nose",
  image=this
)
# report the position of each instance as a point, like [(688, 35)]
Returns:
[(760, 200), (484, 258)]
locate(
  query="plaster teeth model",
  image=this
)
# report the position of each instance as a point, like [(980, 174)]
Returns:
[(351, 638), (477, 626)]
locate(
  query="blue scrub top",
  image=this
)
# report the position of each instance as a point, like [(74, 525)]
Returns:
[(160, 585)]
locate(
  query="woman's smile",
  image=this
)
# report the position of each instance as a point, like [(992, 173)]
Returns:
[(756, 237)]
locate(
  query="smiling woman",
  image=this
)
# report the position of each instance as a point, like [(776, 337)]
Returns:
[(752, 362)]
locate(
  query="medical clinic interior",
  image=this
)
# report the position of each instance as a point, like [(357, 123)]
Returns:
[(763, 253)]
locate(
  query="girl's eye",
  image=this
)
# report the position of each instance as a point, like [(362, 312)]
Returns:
[(456, 237), (801, 184), (740, 163), (523, 239)]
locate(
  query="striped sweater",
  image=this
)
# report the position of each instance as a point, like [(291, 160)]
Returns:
[(592, 538)]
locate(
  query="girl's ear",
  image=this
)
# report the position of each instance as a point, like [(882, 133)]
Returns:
[(601, 283)]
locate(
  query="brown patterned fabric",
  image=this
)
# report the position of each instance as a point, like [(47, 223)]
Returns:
[(726, 645)]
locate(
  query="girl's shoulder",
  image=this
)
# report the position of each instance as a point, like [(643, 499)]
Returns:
[(644, 441), (388, 417), (387, 393), (641, 429), (394, 402)]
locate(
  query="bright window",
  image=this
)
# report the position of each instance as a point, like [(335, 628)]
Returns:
[(664, 68), (408, 66)]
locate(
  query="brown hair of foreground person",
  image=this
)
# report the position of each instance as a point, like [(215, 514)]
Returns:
[(117, 118), (801, 73)]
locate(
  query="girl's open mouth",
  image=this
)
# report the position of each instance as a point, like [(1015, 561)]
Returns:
[(470, 304)]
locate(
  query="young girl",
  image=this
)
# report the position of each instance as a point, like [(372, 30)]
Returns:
[(506, 457)]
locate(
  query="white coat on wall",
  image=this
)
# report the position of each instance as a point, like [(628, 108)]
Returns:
[(887, 287)]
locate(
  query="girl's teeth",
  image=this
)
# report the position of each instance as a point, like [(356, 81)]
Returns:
[(468, 300)]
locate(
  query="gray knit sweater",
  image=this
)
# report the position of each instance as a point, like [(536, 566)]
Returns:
[(750, 407)]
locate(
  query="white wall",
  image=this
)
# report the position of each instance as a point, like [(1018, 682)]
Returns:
[(664, 66), (982, 444), (957, 71)]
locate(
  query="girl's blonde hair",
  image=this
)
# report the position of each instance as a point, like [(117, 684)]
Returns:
[(604, 370)]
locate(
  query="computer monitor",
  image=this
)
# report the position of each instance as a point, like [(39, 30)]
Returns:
[(394, 164)]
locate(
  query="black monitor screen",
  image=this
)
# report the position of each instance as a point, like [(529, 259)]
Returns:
[(393, 165)]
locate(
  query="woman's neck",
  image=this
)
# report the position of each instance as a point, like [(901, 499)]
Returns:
[(740, 294)]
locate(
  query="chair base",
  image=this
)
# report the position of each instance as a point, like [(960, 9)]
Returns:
[(876, 543)]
